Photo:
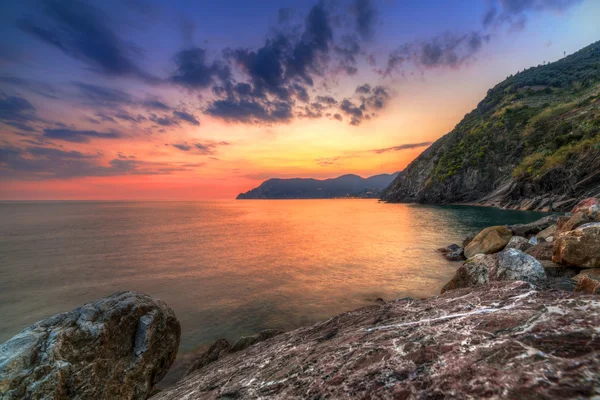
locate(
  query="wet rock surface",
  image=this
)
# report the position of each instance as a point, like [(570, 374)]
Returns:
[(115, 348), (488, 241), (502, 340)]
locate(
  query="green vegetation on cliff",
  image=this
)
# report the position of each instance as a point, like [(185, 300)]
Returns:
[(539, 122)]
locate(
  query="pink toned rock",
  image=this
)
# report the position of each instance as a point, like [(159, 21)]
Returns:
[(586, 204), (499, 341), (580, 247)]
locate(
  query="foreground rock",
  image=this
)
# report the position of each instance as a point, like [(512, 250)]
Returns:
[(503, 340), (580, 247), (509, 265), (115, 348), (488, 241), (222, 347)]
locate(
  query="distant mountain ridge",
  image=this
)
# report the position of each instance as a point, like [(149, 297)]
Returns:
[(533, 143), (308, 188)]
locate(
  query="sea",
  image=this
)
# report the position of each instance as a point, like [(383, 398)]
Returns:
[(228, 268)]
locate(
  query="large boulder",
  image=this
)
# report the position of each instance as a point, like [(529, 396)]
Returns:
[(488, 241), (115, 348), (535, 227), (580, 247), (509, 265), (499, 341)]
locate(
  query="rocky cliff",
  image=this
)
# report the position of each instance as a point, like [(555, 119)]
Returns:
[(533, 143)]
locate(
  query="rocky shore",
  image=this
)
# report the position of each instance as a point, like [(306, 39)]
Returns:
[(519, 319)]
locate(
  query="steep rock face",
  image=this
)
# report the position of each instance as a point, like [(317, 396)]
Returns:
[(533, 143), (115, 348), (503, 340)]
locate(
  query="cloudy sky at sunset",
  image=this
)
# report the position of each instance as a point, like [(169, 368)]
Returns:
[(186, 99)]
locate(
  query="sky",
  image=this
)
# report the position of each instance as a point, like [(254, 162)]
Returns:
[(184, 100)]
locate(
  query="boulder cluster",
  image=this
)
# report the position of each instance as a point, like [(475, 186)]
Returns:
[(554, 252)]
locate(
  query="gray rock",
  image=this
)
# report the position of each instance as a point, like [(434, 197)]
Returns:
[(504, 340), (535, 227), (508, 265), (519, 243), (115, 348)]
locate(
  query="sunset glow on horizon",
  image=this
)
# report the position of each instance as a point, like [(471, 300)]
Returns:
[(192, 100)]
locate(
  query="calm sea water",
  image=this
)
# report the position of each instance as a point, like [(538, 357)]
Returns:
[(227, 268)]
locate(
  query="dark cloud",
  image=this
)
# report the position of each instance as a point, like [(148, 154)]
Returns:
[(348, 49), (364, 89), (83, 32), (156, 105), (125, 116), (102, 95), (355, 113), (401, 147), (250, 111), (194, 72), (328, 100), (366, 17), (207, 148), (78, 136), (442, 51), (17, 112), (164, 120), (513, 13), (41, 88), (41, 163), (187, 117), (337, 116)]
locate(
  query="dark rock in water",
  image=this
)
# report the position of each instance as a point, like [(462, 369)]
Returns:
[(488, 241), (219, 349), (453, 252), (519, 243), (247, 341), (535, 227), (502, 340), (509, 265), (580, 247), (115, 348), (541, 251)]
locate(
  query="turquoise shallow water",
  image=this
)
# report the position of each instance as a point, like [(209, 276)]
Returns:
[(228, 268)]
